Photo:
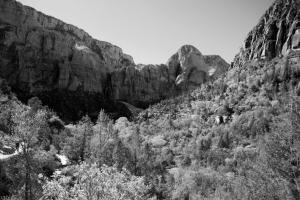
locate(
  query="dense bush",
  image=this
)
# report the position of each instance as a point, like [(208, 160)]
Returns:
[(89, 182)]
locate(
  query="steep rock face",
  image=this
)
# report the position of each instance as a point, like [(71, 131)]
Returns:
[(42, 56), (75, 74), (142, 85), (43, 53), (189, 65), (218, 65), (277, 33), (190, 68)]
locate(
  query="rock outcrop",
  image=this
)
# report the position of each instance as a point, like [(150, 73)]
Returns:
[(190, 68), (277, 33), (75, 74), (189, 64)]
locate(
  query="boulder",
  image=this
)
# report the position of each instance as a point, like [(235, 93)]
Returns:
[(158, 141)]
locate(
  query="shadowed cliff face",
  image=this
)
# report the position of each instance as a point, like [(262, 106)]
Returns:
[(75, 74), (276, 34)]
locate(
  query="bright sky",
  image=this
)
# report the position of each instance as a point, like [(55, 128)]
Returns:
[(152, 30)]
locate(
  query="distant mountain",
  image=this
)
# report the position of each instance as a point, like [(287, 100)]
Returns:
[(75, 74)]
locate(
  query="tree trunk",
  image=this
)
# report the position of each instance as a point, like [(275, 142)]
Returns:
[(294, 190), (27, 177), (28, 187)]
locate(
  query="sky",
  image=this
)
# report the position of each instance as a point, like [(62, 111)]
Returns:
[(153, 30)]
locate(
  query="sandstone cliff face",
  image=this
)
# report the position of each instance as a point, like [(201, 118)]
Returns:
[(277, 33), (142, 85), (75, 74), (190, 68), (42, 56), (189, 65), (46, 53)]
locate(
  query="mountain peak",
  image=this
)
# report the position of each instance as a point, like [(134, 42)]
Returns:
[(186, 49)]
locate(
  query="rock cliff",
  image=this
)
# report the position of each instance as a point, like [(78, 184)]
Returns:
[(75, 74), (61, 64), (276, 34), (142, 85)]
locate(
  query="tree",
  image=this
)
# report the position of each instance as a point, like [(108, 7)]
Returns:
[(102, 133), (77, 147), (35, 104), (28, 123), (121, 155), (85, 126), (134, 145), (281, 147)]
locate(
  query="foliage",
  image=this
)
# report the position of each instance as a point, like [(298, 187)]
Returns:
[(175, 149), (90, 182)]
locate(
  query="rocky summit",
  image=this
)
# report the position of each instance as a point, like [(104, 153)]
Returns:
[(74, 74)]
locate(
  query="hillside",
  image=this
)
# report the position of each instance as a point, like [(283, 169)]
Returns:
[(234, 136)]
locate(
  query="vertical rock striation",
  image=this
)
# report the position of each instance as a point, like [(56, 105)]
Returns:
[(276, 34)]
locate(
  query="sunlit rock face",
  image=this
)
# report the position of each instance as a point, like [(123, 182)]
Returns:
[(188, 67), (296, 40), (192, 66), (75, 74), (144, 84), (276, 34)]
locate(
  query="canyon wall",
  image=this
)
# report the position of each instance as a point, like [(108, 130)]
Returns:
[(75, 74)]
